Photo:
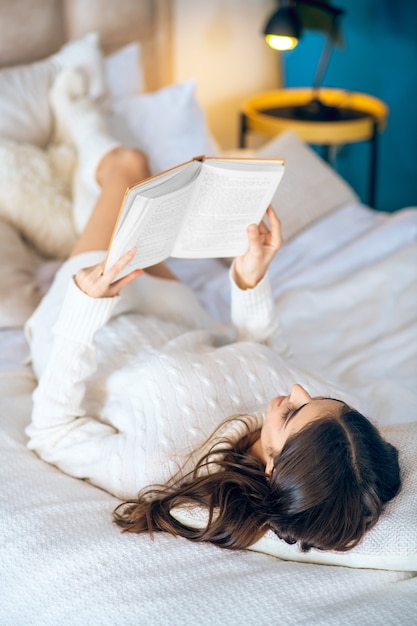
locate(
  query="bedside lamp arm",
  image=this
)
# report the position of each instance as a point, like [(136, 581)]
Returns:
[(328, 8)]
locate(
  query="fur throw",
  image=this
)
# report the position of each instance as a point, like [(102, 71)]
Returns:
[(36, 195)]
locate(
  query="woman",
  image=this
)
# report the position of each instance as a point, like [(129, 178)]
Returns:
[(131, 387)]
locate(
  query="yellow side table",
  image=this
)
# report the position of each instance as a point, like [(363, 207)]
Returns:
[(340, 117)]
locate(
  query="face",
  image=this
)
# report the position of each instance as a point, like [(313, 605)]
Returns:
[(286, 415)]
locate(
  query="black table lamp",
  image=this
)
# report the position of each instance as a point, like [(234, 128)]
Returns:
[(282, 32)]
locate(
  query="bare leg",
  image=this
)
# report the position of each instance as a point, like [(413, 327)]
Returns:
[(118, 169), (104, 166)]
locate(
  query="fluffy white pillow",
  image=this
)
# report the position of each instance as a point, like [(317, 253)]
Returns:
[(25, 115), (168, 125), (310, 188), (391, 544), (35, 195)]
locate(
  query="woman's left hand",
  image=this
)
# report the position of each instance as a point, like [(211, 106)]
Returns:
[(99, 283), (264, 243)]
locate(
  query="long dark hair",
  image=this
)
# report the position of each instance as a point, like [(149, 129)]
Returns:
[(328, 487)]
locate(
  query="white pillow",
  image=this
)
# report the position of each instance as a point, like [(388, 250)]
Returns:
[(310, 188), (25, 115), (168, 125), (390, 545), (123, 72)]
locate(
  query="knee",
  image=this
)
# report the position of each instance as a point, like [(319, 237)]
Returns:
[(130, 162), (135, 162)]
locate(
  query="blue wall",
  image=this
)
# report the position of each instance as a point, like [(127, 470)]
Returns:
[(380, 58)]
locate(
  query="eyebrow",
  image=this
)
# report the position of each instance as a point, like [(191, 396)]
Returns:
[(294, 413)]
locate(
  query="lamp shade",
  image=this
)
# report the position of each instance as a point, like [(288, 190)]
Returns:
[(283, 29)]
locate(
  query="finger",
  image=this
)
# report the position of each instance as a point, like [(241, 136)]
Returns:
[(117, 286), (254, 236), (99, 269), (120, 264), (263, 228), (275, 227), (272, 216)]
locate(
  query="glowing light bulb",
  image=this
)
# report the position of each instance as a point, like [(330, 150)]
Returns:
[(278, 42)]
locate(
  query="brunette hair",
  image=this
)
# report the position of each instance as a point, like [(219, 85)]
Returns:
[(328, 487)]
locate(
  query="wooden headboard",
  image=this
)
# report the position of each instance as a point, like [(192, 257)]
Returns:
[(34, 29)]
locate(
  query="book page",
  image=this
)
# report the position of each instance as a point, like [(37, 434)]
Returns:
[(225, 202), (151, 217), (151, 225), (159, 185)]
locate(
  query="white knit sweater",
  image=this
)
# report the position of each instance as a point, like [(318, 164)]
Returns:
[(124, 401)]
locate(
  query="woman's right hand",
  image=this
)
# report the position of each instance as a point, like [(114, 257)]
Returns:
[(99, 283)]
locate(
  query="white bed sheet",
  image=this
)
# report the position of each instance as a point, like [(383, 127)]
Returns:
[(346, 293), (347, 299)]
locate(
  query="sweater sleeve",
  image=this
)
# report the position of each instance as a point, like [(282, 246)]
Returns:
[(254, 315), (60, 432)]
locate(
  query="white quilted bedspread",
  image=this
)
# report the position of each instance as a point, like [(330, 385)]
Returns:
[(63, 563)]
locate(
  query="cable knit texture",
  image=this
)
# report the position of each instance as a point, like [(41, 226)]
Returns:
[(127, 409)]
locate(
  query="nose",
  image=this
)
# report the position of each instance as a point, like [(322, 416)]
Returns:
[(299, 395)]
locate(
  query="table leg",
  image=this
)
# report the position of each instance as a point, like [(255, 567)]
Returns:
[(242, 131), (373, 165), (326, 153)]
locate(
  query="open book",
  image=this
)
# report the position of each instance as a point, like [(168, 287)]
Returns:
[(199, 209)]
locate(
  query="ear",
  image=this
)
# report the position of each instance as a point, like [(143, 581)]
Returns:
[(269, 467)]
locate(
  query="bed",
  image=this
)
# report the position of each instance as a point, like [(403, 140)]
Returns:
[(345, 285)]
